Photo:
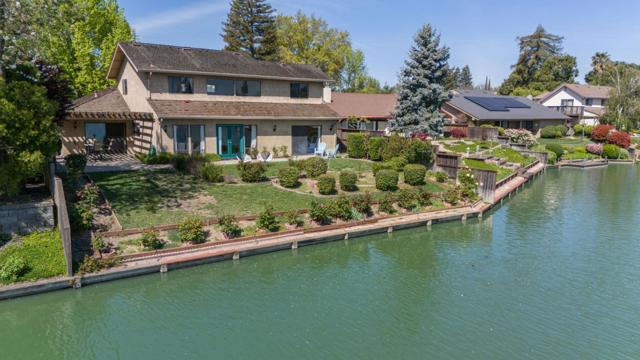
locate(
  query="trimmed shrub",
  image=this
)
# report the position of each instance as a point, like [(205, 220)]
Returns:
[(229, 226), (556, 148), (340, 208), (600, 132), (387, 180), (315, 166), (595, 149), (375, 147), (406, 198), (418, 152), (578, 129), (319, 213), (620, 138), (588, 129), (398, 163), (424, 197), (252, 172), (288, 176), (550, 132), (80, 216), (580, 149), (441, 176), (624, 154), (348, 180), (414, 174), (191, 230), (187, 164), (611, 151), (357, 145), (267, 220), (468, 184), (385, 165), (562, 130), (150, 239), (552, 157), (293, 218), (452, 196), (458, 133), (326, 184), (211, 173), (13, 268), (386, 203), (394, 147), (362, 203), (75, 163), (520, 136)]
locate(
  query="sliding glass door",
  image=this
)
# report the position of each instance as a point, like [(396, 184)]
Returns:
[(305, 139), (188, 139)]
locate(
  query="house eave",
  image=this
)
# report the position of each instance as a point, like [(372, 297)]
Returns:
[(239, 76)]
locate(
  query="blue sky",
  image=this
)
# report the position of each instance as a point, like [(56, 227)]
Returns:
[(479, 33)]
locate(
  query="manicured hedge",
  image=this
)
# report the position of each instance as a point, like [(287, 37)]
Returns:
[(315, 166), (375, 147), (556, 148), (326, 184), (387, 180), (252, 172), (414, 174), (418, 152), (191, 230), (288, 176), (348, 180), (356, 145), (394, 147), (398, 163), (211, 173), (611, 151)]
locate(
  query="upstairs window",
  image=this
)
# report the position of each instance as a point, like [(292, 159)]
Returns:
[(247, 88), (180, 85), (125, 88), (589, 102), (299, 90), (220, 87)]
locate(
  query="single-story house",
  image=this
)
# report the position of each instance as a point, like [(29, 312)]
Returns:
[(191, 100)]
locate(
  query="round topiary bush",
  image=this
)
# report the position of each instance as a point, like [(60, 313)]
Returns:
[(385, 165), (418, 152), (326, 184), (375, 147), (288, 176), (414, 174), (610, 151), (150, 239), (550, 132), (556, 148), (315, 166), (252, 172), (387, 180), (357, 145), (348, 180), (191, 230)]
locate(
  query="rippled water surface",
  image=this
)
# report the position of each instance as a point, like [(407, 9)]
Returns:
[(554, 273)]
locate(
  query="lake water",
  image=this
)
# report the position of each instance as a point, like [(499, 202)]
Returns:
[(553, 273)]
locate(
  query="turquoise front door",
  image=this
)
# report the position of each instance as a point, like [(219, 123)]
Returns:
[(230, 141)]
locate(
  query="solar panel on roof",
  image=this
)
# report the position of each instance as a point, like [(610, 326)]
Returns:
[(494, 103)]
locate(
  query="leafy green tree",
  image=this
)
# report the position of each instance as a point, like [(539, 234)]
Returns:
[(541, 66), (623, 104), (251, 28), (421, 90)]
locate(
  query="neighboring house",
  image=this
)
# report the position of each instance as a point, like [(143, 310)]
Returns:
[(478, 107), (583, 103), (366, 111), (190, 100)]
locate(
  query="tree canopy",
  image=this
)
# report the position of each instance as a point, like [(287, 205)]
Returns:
[(251, 28), (421, 90), (541, 65), (457, 78)]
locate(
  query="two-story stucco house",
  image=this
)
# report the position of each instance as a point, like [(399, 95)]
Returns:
[(583, 103), (190, 100)]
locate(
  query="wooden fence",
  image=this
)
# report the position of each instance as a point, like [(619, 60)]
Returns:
[(482, 133), (486, 183), (62, 215), (449, 163)]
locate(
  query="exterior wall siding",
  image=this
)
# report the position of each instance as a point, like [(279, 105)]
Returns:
[(137, 93), (556, 99)]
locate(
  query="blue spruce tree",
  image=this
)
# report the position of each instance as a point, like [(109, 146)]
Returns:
[(421, 90)]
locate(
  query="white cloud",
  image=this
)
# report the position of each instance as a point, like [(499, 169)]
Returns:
[(178, 16)]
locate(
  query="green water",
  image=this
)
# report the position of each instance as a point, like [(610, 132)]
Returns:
[(554, 273)]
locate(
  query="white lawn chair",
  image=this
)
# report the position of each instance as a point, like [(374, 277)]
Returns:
[(320, 149), (332, 153), (262, 159), (247, 158)]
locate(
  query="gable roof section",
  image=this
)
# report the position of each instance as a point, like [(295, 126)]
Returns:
[(184, 109), (535, 111), (583, 90), (185, 60), (105, 104), (373, 106)]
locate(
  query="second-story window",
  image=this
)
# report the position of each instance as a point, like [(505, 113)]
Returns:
[(589, 102), (125, 88), (220, 87), (299, 90), (180, 85), (247, 88)]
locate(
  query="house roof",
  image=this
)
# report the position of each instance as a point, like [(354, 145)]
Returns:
[(173, 109), (583, 90), (596, 110), (178, 59), (363, 105), (535, 111), (104, 104)]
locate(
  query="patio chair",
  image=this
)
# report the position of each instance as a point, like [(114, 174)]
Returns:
[(332, 153), (246, 158), (262, 159), (320, 149), (98, 149)]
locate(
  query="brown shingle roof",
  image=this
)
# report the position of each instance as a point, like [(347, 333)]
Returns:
[(178, 59), (363, 105), (584, 90), (240, 110), (105, 104)]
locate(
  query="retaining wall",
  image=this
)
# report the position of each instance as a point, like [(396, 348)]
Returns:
[(27, 217)]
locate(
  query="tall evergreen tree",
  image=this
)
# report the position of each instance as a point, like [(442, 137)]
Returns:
[(487, 84), (251, 28), (452, 78), (421, 89), (466, 80)]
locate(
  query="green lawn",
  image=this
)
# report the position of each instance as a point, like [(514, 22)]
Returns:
[(42, 252), (461, 147), (272, 168), (478, 164), (513, 156), (578, 141), (339, 164), (145, 198)]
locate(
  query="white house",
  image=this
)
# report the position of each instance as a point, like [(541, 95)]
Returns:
[(583, 103)]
